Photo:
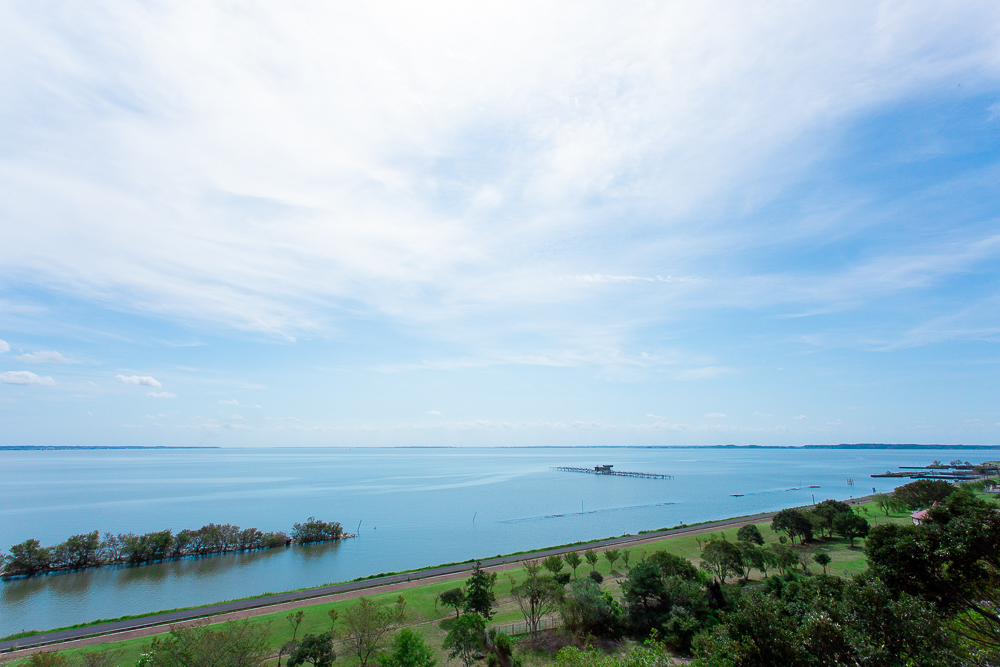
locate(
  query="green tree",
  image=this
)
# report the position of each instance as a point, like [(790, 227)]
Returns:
[(407, 650), (316, 650), (553, 564), (295, 620), (79, 551), (367, 625), (573, 560), (722, 558), (850, 525), (793, 522), (235, 644), (951, 561), (536, 596), (626, 554), (28, 557), (591, 557), (750, 534), (465, 639), (500, 650), (454, 597), (923, 493), (823, 560), (479, 596), (611, 555), (47, 659), (672, 565), (588, 611)]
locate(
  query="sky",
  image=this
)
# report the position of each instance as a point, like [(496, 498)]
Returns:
[(499, 223)]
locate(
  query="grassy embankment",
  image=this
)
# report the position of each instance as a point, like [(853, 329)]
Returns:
[(433, 620)]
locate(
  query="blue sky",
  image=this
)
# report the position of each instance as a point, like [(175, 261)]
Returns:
[(500, 224)]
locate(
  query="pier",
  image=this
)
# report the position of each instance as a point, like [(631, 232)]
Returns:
[(947, 472), (608, 470)]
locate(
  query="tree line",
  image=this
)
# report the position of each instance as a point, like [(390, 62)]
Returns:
[(87, 550)]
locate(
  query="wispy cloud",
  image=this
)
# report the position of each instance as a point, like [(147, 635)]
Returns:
[(715, 415), (433, 412), (161, 394), (26, 377), (144, 380), (4, 347), (49, 357)]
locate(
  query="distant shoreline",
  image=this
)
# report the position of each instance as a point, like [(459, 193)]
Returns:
[(863, 445)]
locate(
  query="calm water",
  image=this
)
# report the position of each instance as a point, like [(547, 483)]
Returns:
[(416, 507)]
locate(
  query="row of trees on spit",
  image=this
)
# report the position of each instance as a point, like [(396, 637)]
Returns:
[(79, 552)]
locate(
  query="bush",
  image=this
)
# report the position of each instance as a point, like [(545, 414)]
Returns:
[(596, 576)]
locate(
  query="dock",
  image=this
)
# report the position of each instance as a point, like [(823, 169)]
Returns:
[(608, 470), (947, 472)]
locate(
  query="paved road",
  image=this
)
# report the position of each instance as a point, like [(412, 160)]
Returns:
[(274, 603)]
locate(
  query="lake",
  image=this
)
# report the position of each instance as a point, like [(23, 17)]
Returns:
[(415, 507)]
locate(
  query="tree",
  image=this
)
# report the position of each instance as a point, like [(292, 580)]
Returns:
[(611, 555), (314, 530), (536, 596), (573, 560), (367, 624), (500, 650), (591, 557), (951, 561), (28, 557), (822, 560), (784, 557), (407, 650), (749, 534), (316, 650), (644, 587), (626, 554), (672, 565), (793, 523), (465, 639), (923, 493), (721, 558), (295, 620), (79, 551), (479, 596), (454, 597), (109, 656), (886, 502), (850, 525), (588, 611), (553, 564), (827, 511), (235, 644), (48, 659)]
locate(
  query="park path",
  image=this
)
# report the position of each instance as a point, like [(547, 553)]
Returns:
[(150, 626)]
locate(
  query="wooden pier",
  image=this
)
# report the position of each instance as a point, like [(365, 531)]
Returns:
[(607, 470)]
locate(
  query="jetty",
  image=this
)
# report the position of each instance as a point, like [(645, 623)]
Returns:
[(609, 470), (947, 472)]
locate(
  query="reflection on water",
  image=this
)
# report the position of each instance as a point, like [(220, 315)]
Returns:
[(423, 503)]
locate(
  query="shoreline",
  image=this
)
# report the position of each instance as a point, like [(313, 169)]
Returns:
[(160, 622)]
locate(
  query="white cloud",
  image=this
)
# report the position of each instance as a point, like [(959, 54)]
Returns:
[(656, 416), (236, 417), (25, 377), (715, 415), (144, 380), (235, 402), (45, 357), (4, 347), (161, 394), (800, 417), (356, 191), (704, 373), (762, 414), (433, 412)]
